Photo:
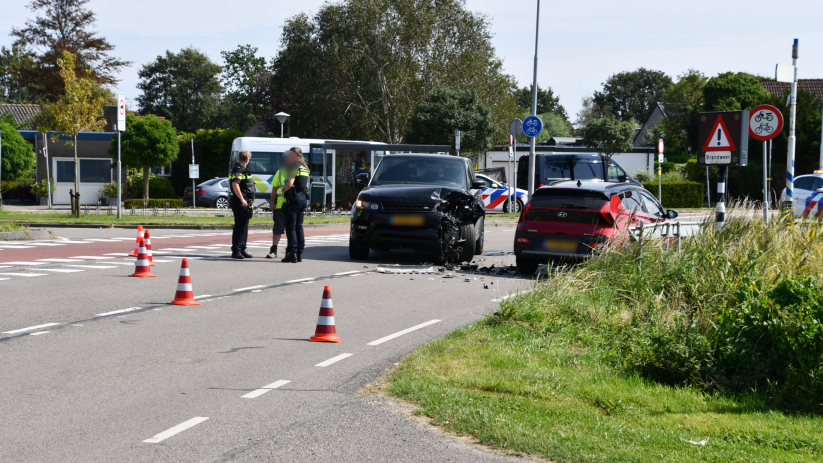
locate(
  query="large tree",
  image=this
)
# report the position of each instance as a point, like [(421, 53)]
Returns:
[(241, 70), (608, 135), (681, 104), (63, 27), (147, 142), (734, 92), (12, 89), (18, 155), (546, 101), (632, 95), (182, 87), (359, 68)]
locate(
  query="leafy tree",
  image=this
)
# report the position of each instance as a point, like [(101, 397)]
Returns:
[(447, 110), (590, 110), (12, 89), (240, 73), (554, 125), (734, 92), (632, 95), (546, 101), (147, 142), (18, 155), (79, 110), (682, 103), (608, 135), (182, 87), (64, 27)]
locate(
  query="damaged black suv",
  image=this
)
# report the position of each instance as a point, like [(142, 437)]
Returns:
[(421, 202)]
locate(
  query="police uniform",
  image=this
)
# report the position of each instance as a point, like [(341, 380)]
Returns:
[(278, 182), (242, 176), (296, 200)]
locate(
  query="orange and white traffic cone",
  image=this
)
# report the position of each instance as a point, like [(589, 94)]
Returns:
[(137, 240), (141, 265), (147, 240), (325, 331), (184, 294)]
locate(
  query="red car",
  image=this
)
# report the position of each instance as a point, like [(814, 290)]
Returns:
[(567, 220)]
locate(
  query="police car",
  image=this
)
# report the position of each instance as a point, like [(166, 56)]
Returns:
[(495, 195), (808, 195)]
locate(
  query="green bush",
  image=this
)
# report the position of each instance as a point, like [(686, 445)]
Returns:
[(679, 194), (666, 166), (159, 187), (9, 188), (152, 203), (43, 187)]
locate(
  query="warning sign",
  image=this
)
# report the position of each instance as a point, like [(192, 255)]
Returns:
[(718, 139), (724, 138)]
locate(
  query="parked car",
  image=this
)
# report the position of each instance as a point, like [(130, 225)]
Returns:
[(421, 202), (496, 196), (550, 168), (808, 194), (211, 193), (567, 220)]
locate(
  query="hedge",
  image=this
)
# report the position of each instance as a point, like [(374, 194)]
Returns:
[(152, 203), (667, 167), (679, 194)]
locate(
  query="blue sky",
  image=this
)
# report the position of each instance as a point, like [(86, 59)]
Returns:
[(581, 42)]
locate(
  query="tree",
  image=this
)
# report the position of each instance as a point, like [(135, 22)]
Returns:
[(182, 87), (64, 27), (546, 101), (734, 92), (682, 103), (632, 95), (17, 155), (554, 125), (147, 142), (240, 73), (12, 89), (447, 110), (608, 135), (590, 110), (79, 110)]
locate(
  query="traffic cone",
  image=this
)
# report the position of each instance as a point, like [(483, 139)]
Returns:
[(325, 331), (137, 241), (141, 265), (147, 240), (184, 294)]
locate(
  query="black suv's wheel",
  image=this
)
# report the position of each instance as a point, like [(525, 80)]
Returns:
[(358, 252), (480, 229), (527, 266), (468, 235)]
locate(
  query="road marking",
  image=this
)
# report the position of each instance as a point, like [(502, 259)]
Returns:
[(75, 242), (176, 430), (202, 247), (37, 327), (201, 297), (28, 275), (117, 254), (39, 333), (346, 273), (265, 389), (22, 263), (103, 240), (250, 287), (61, 270), (401, 333), (301, 279), (120, 263), (501, 299), (91, 257), (59, 260), (176, 249), (14, 246), (333, 360), (91, 266), (106, 314), (357, 274), (256, 290)]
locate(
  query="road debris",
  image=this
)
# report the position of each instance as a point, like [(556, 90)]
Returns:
[(401, 269)]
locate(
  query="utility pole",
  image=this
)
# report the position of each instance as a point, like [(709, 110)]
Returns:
[(119, 179), (792, 137), (821, 147), (532, 158), (1, 168), (193, 181), (48, 176)]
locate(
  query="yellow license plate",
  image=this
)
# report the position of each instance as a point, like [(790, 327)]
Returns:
[(560, 245), (407, 220)]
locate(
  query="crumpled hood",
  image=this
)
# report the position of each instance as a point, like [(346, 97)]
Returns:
[(407, 193)]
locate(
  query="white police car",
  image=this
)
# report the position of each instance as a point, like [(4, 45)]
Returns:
[(808, 195), (496, 195)]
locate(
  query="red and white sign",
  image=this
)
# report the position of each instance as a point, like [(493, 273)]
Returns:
[(719, 139), (765, 122), (660, 146), (121, 112)]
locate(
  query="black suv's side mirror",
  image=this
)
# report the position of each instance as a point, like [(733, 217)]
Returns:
[(478, 184), (363, 178), (671, 214)]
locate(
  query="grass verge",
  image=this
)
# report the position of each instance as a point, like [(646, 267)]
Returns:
[(10, 227), (61, 218)]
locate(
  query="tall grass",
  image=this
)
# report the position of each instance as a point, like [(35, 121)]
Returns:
[(735, 312)]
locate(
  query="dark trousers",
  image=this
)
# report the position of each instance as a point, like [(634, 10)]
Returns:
[(294, 229), (240, 233)]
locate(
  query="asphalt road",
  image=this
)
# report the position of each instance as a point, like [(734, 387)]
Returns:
[(97, 368)]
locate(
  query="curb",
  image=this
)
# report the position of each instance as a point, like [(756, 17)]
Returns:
[(29, 234), (170, 227)]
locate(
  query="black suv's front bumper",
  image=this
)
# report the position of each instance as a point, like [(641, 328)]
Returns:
[(379, 229)]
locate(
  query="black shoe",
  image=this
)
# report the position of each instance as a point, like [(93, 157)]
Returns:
[(290, 258), (299, 257), (246, 254), (272, 253), (237, 255)]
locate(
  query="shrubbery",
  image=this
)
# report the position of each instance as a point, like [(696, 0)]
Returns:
[(159, 187), (679, 194), (152, 203)]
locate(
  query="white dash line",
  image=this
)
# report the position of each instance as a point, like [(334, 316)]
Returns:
[(333, 360), (299, 280), (265, 389), (500, 299), (106, 314), (37, 327), (176, 430), (401, 333), (250, 287), (202, 296), (346, 273), (39, 333)]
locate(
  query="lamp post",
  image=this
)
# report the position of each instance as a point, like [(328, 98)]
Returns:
[(532, 157), (282, 118), (1, 168)]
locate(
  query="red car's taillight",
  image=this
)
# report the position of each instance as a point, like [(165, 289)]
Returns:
[(610, 209), (523, 212), (521, 240)]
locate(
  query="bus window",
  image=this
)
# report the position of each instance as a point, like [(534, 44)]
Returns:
[(316, 163), (264, 163)]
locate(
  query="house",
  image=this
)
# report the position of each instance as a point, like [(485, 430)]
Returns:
[(814, 86), (23, 114), (657, 115)]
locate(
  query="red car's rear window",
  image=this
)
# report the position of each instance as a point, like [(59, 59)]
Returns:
[(578, 206)]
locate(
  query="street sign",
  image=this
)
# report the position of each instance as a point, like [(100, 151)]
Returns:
[(516, 127), (765, 122), (194, 171), (532, 126), (457, 140), (660, 146), (121, 112), (723, 138)]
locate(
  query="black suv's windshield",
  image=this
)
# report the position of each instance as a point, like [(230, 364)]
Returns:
[(420, 171)]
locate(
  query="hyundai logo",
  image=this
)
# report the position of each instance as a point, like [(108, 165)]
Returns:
[(562, 214)]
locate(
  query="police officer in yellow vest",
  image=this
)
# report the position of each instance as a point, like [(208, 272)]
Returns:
[(278, 201), (296, 193), (240, 200)]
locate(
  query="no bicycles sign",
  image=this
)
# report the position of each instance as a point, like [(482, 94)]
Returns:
[(765, 122)]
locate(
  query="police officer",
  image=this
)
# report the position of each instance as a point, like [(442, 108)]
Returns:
[(296, 192), (278, 202), (241, 198)]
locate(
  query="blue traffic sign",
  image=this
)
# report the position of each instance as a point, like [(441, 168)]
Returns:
[(532, 126)]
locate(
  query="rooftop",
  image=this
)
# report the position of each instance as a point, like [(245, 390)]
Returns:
[(814, 86), (22, 113)]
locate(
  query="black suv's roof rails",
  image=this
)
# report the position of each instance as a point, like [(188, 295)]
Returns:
[(619, 184)]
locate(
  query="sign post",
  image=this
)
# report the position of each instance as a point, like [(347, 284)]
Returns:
[(457, 141), (1, 169), (194, 173), (121, 126), (515, 130), (765, 123), (48, 177), (660, 170)]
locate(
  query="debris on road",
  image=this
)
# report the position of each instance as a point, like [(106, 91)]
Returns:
[(401, 269), (496, 253)]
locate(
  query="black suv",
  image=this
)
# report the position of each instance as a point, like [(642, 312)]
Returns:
[(422, 202), (583, 166)]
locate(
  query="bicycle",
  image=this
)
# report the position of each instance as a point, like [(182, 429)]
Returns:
[(763, 128), (760, 116)]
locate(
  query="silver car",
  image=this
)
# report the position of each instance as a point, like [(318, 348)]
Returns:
[(211, 193)]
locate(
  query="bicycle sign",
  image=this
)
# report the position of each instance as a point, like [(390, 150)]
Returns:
[(765, 122), (532, 126)]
